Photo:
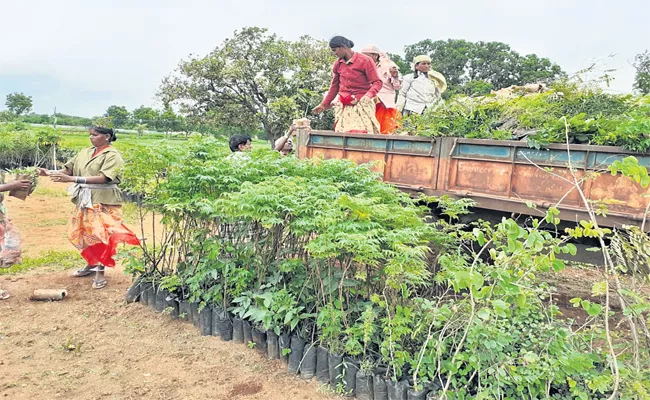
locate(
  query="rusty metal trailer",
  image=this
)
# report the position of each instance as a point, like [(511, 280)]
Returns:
[(505, 176)]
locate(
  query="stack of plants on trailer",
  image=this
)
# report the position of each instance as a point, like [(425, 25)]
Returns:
[(344, 278), (588, 114)]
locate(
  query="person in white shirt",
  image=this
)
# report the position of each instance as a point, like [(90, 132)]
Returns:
[(422, 89), (240, 145)]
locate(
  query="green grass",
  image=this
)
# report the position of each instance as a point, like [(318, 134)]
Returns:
[(50, 192), (79, 140), (130, 212), (52, 260), (52, 222)]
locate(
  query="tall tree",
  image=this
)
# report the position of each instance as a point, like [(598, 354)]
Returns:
[(19, 103), (145, 115), (119, 115), (260, 79), (494, 64), (642, 77)]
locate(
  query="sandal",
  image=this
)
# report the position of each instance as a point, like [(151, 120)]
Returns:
[(99, 284), (85, 271), (4, 295)]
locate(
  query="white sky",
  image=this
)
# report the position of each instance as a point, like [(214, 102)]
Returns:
[(83, 56)]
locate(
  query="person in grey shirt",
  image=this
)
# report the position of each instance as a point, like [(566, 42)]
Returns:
[(422, 89)]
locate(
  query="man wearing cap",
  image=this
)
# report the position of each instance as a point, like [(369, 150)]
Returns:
[(421, 89)]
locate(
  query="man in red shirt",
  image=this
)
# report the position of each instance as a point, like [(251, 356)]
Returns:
[(356, 82)]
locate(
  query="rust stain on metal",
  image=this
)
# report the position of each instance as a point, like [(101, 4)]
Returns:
[(483, 173), (532, 183), (412, 170), (479, 176)]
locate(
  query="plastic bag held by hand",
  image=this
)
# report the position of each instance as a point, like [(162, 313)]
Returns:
[(10, 244)]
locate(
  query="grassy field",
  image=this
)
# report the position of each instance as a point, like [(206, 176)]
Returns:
[(78, 140)]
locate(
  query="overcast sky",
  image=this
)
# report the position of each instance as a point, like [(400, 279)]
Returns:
[(84, 55)]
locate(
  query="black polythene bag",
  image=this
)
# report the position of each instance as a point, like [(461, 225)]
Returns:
[(248, 332), (297, 347), (379, 389), (224, 326), (336, 370), (160, 300), (396, 390), (215, 320), (417, 394), (272, 345), (205, 321), (322, 365), (196, 318), (308, 363), (364, 386), (133, 294), (185, 311), (238, 330), (171, 304), (285, 346), (259, 338), (151, 299), (144, 295), (433, 395), (350, 377)]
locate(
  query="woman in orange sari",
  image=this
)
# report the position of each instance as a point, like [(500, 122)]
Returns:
[(386, 109), (96, 227)]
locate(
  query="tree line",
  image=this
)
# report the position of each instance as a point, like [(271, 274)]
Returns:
[(256, 81)]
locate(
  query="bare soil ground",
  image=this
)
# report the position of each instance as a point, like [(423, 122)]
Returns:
[(94, 346)]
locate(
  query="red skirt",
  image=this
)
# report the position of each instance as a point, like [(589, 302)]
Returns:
[(97, 231), (387, 118)]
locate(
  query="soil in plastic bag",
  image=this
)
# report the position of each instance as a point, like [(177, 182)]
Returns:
[(397, 390), (205, 321), (196, 319), (184, 310), (248, 332), (237, 330), (417, 394), (285, 347), (350, 377), (322, 365), (336, 370), (171, 304), (160, 300), (272, 345), (379, 389), (308, 363), (133, 294), (223, 325), (297, 347), (259, 338), (364, 386)]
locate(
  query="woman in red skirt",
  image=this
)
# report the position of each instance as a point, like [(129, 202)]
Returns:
[(386, 109)]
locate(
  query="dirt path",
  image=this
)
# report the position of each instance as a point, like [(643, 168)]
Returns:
[(94, 346)]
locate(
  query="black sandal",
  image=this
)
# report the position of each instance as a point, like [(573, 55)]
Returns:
[(85, 271)]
